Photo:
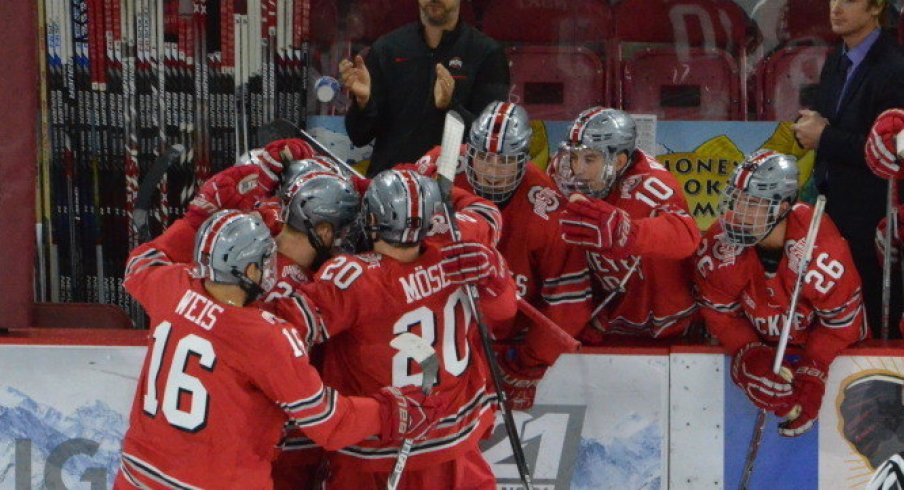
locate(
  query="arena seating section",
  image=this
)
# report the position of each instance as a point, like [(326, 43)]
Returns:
[(679, 59)]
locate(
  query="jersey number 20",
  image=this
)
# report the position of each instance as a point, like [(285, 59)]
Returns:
[(454, 334)]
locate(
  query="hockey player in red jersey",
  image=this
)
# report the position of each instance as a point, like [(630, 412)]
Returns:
[(411, 283), (310, 212), (550, 274), (222, 377), (327, 205), (630, 216), (746, 269)]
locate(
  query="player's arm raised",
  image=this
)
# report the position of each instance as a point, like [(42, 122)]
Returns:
[(329, 418)]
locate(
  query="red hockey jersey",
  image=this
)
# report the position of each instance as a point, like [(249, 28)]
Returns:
[(218, 384), (549, 274), (742, 303), (367, 299), (658, 300)]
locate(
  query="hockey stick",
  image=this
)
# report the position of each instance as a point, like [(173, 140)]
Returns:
[(802, 267), (425, 356), (618, 290), (281, 128), (886, 258), (453, 134), (556, 334), (890, 232), (146, 190)]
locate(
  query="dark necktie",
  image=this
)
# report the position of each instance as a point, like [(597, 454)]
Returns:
[(844, 64)]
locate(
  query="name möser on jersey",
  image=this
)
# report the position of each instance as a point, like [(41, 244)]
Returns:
[(198, 309), (423, 282)]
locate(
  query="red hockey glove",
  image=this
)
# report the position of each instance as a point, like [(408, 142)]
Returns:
[(472, 263), (809, 387), (232, 188), (597, 224), (278, 152), (270, 211), (518, 381), (895, 239), (881, 145), (407, 413), (751, 370)]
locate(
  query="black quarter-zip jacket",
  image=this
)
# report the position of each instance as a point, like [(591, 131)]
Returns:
[(401, 115)]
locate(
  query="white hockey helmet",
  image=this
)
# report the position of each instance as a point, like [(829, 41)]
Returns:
[(750, 206), (586, 160), (497, 150)]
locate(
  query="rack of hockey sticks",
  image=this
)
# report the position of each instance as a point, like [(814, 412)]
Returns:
[(126, 81)]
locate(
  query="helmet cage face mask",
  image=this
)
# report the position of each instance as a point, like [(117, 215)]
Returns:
[(498, 147), (751, 205), (495, 176), (572, 170), (747, 219)]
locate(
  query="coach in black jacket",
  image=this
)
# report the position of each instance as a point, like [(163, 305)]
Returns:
[(413, 75), (864, 77)]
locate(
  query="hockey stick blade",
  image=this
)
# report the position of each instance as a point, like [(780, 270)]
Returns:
[(148, 185), (423, 354), (446, 165)]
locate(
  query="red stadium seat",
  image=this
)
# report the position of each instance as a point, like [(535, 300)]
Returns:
[(786, 79), (698, 62), (704, 85), (701, 23), (585, 22), (808, 20), (556, 83)]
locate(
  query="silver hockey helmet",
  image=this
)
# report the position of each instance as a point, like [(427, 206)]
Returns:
[(227, 242), (297, 168), (399, 206), (750, 206), (320, 197), (498, 147), (586, 160), (250, 157)]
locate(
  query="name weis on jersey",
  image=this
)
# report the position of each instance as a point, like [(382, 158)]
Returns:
[(423, 282), (198, 309)]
